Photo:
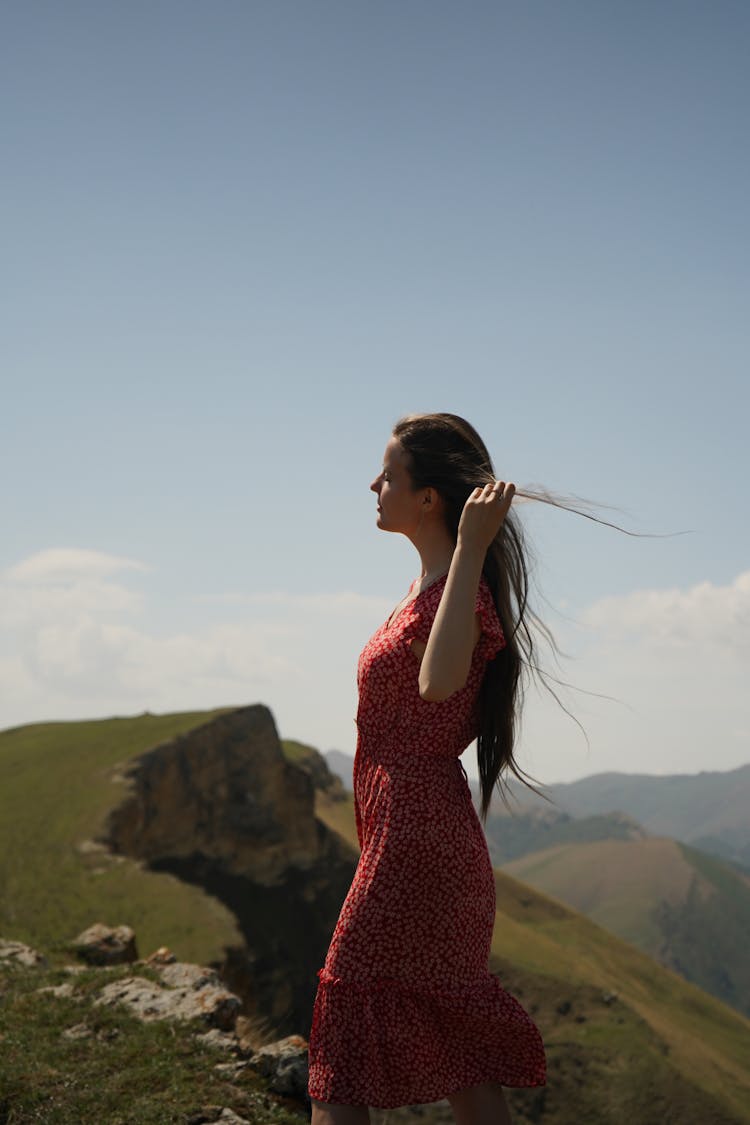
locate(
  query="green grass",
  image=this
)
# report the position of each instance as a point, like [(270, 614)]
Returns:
[(126, 1072), (689, 909), (706, 1041), (298, 751), (56, 790), (662, 1035)]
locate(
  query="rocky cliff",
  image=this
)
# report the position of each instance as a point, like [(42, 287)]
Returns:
[(223, 807)]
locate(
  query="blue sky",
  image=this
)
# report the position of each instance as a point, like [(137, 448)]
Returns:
[(241, 239)]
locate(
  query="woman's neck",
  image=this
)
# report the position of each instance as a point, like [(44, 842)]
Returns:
[(436, 549)]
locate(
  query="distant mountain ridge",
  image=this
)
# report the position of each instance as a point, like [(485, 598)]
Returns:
[(342, 765), (709, 810), (535, 829)]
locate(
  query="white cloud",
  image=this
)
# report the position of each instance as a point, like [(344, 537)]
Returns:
[(676, 663), (702, 614), (78, 642), (65, 584), (59, 564)]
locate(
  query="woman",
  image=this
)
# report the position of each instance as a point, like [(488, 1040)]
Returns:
[(406, 1010)]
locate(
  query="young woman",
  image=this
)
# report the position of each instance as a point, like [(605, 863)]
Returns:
[(406, 1010)]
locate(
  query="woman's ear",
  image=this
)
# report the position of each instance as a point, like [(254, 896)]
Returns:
[(431, 501)]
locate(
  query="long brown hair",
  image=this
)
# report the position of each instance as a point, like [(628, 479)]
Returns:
[(446, 453)]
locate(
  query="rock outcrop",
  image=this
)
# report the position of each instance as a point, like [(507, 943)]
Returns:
[(222, 807), (192, 992), (18, 953), (103, 945), (185, 994)]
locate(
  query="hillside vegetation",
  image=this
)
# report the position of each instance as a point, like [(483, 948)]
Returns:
[(58, 784), (627, 1040), (66, 1059), (688, 909)]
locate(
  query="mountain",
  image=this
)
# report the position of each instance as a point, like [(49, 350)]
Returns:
[(236, 850), (534, 829), (342, 765), (688, 909), (709, 810)]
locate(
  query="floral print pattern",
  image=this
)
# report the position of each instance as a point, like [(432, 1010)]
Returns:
[(406, 1010)]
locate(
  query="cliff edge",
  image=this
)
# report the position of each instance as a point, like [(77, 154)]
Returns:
[(221, 806)]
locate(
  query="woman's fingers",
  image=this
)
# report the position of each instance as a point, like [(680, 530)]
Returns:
[(485, 511), (496, 490)]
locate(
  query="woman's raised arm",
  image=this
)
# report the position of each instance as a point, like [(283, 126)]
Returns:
[(456, 629)]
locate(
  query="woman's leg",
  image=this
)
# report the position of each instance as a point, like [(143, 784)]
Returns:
[(480, 1105), (329, 1113)]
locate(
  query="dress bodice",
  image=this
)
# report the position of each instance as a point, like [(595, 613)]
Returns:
[(391, 714)]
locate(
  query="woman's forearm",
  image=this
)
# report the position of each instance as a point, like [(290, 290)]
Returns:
[(455, 631)]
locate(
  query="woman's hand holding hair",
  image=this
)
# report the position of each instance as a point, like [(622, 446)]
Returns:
[(483, 514)]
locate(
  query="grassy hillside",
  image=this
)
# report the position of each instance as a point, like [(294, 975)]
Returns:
[(688, 909), (617, 1025), (67, 1061), (627, 1040), (615, 884), (57, 786)]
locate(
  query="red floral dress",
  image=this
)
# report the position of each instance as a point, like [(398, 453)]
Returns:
[(406, 1010)]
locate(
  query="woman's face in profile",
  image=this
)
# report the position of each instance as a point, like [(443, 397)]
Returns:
[(399, 505)]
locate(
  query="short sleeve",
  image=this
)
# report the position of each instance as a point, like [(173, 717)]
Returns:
[(492, 639)]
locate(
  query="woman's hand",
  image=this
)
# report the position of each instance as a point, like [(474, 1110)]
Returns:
[(483, 514)]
